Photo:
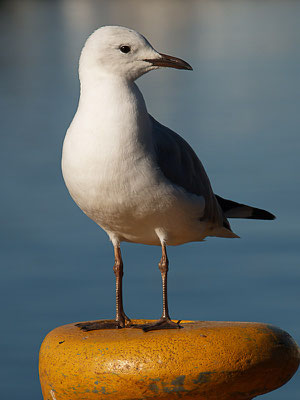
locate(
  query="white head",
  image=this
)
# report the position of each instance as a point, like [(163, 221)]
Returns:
[(119, 51)]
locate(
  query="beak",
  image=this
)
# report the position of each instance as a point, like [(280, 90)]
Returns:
[(169, 61)]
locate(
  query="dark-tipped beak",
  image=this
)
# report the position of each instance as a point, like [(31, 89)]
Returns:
[(169, 61)]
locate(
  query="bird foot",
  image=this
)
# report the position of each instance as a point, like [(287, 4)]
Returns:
[(163, 323), (104, 324)]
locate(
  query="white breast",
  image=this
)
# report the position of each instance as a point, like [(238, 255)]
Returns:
[(110, 170)]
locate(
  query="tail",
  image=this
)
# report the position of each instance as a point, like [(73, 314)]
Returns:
[(231, 209)]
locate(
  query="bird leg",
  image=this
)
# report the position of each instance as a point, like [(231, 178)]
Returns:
[(121, 318), (165, 321)]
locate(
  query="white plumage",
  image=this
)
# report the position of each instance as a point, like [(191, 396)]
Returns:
[(110, 160), (135, 178)]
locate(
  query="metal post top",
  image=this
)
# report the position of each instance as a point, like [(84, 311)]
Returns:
[(217, 360)]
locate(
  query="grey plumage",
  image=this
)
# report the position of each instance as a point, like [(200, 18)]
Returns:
[(181, 165)]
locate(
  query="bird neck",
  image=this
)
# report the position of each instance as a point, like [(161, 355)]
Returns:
[(114, 104), (110, 95)]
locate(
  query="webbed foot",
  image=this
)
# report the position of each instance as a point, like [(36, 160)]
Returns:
[(104, 324), (163, 323)]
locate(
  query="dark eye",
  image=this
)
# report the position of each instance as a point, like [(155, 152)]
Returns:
[(125, 49)]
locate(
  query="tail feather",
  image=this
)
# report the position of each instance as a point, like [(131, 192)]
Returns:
[(231, 209)]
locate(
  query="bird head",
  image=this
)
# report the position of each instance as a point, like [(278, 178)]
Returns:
[(119, 51)]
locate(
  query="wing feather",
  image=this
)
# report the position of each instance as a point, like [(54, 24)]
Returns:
[(180, 164)]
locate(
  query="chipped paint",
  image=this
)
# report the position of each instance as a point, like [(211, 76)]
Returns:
[(176, 385), (203, 377), (153, 387), (52, 394)]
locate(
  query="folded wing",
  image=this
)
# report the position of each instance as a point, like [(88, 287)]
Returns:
[(180, 164)]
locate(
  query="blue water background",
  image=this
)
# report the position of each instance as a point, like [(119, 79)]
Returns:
[(239, 109)]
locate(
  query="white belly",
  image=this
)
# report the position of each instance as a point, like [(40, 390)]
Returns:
[(129, 197)]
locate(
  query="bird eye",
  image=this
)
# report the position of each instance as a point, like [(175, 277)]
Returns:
[(125, 49)]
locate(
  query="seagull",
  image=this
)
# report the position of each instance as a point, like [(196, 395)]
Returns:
[(137, 179)]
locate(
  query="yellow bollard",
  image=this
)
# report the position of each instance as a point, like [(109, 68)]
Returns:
[(204, 360)]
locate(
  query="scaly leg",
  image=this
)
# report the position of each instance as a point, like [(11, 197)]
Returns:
[(121, 318), (165, 321)]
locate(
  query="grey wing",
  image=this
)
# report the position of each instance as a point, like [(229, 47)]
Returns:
[(180, 164)]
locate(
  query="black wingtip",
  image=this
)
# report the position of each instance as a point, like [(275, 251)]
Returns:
[(257, 213), (233, 209)]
